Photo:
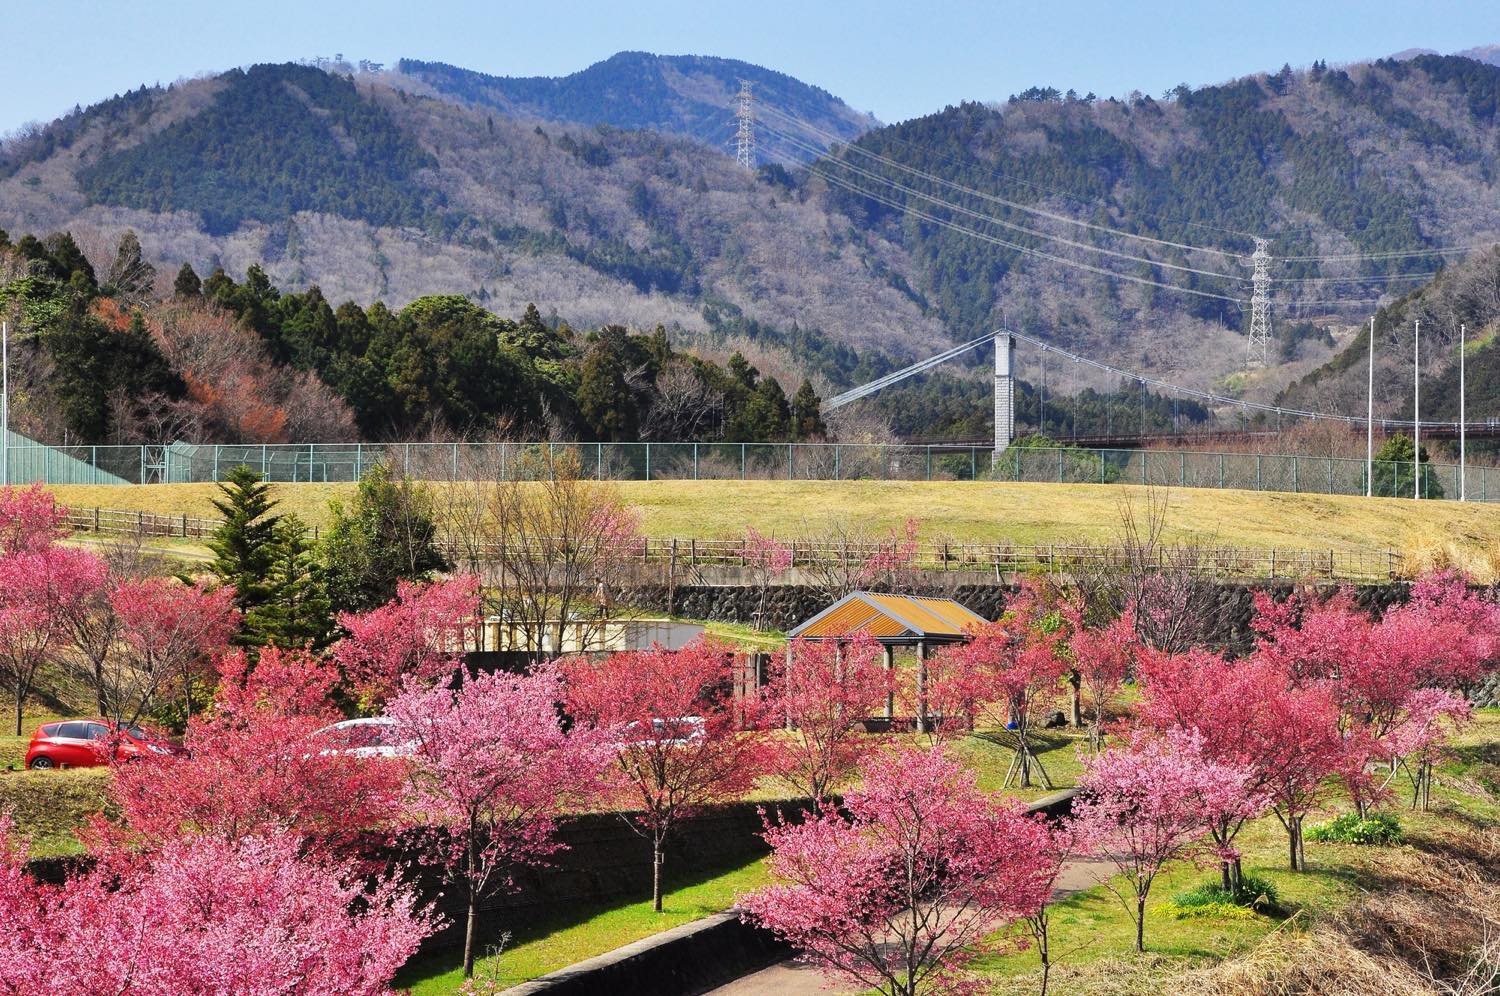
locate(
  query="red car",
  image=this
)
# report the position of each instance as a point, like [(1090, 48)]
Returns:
[(79, 743)]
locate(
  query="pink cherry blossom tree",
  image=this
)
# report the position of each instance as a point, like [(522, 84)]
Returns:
[(39, 587), (1153, 802), (825, 693), (30, 519), (767, 559), (1102, 657), (1008, 671), (259, 766), (899, 896), (492, 770), (423, 634), (168, 632), (680, 738), (1431, 715), (206, 915), (1457, 632)]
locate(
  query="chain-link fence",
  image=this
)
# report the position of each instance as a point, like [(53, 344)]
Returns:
[(183, 463)]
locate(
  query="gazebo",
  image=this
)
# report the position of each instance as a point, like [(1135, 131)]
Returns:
[(893, 621)]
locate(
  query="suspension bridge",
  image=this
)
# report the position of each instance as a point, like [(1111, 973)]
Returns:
[(1004, 343)]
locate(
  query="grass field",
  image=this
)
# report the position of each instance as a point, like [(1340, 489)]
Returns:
[(541, 946), (959, 511)]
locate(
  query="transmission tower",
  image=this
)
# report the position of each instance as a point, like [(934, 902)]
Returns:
[(744, 149), (1257, 344)]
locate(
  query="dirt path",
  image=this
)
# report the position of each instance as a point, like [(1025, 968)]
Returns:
[(791, 978)]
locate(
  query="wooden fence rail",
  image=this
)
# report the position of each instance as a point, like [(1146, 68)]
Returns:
[(999, 559)]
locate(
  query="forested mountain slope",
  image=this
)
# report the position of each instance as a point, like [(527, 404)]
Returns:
[(391, 186)]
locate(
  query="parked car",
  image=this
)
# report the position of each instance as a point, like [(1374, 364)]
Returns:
[(676, 731), (374, 736), (83, 743)]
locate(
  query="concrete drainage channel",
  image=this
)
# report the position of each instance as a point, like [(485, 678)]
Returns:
[(699, 957)]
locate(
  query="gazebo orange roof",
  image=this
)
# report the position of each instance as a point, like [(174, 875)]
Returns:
[(892, 619)]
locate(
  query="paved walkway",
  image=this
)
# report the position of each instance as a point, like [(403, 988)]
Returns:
[(791, 978)]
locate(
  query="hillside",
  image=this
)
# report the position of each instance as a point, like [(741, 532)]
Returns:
[(435, 180), (1332, 165), (1467, 295), (374, 192), (689, 96)]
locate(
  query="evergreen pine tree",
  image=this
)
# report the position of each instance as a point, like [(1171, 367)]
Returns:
[(297, 611), (807, 413), (187, 283), (245, 544)]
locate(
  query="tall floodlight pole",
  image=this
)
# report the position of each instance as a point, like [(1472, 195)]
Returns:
[(4, 403), (1370, 419), (1416, 409), (1462, 470)]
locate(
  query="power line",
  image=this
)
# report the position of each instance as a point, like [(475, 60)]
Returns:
[(1013, 205), (1027, 250), (836, 141), (1010, 225)]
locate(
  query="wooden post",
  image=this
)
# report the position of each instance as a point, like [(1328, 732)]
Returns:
[(890, 696), (922, 686)]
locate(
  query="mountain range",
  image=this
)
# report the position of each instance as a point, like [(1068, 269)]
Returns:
[(1121, 227)]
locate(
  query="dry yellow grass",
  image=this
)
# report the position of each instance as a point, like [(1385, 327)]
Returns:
[(1440, 532)]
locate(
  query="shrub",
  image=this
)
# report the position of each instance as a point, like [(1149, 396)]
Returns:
[(1255, 894), (1377, 829)]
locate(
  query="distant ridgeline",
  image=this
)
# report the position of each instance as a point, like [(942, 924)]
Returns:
[(688, 95)]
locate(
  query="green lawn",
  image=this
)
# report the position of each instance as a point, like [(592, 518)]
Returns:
[(1093, 935), (537, 947)]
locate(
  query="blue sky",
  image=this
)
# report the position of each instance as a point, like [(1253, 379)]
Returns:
[(896, 58)]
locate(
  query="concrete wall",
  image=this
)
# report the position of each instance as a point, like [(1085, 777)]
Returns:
[(607, 861), (787, 605)]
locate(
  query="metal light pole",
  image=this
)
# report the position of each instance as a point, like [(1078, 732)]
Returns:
[(4, 403), (1370, 419), (1462, 472), (1416, 410)]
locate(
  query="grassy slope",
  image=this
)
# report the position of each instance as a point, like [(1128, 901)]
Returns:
[(1093, 935), (962, 511)]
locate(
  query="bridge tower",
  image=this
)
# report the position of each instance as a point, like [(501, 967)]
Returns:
[(1005, 398)]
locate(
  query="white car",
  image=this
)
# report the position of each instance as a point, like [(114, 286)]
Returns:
[(373, 736), (673, 732)]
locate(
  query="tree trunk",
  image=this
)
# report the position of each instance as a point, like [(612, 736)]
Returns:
[(1140, 923), (1225, 876), (656, 862), (20, 697), (1294, 841), (472, 860), (1076, 719)]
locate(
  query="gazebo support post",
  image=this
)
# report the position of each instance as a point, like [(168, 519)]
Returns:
[(890, 695), (786, 680), (922, 686)]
